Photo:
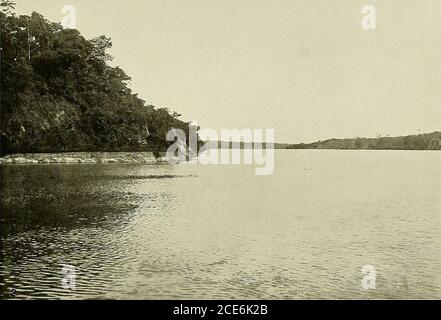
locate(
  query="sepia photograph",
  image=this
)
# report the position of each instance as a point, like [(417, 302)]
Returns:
[(218, 150)]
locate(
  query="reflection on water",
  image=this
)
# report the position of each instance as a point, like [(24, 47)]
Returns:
[(195, 232)]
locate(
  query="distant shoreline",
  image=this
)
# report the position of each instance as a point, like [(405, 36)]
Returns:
[(425, 141)]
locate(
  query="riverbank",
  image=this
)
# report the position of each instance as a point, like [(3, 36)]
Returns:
[(85, 157)]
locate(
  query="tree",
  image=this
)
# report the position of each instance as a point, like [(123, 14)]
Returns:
[(7, 7), (64, 96)]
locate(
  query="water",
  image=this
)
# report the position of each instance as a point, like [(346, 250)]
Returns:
[(220, 232)]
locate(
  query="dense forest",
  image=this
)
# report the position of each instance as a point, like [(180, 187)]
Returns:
[(59, 93), (427, 141)]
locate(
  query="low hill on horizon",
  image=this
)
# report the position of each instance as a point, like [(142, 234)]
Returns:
[(425, 141)]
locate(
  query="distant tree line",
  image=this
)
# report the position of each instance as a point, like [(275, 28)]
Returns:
[(58, 93), (427, 141)]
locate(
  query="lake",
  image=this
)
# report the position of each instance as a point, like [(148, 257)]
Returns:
[(221, 232)]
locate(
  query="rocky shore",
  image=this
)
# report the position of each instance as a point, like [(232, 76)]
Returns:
[(85, 157)]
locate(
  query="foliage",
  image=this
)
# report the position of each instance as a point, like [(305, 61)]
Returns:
[(58, 93), (428, 141)]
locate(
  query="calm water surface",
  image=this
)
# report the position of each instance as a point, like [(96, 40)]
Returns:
[(208, 232)]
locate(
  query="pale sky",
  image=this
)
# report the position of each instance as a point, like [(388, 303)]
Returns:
[(305, 68)]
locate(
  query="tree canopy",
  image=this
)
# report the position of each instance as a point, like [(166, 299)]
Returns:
[(59, 93)]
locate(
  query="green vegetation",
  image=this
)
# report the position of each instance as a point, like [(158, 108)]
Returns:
[(428, 141), (59, 94)]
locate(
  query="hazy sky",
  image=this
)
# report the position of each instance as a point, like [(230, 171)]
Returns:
[(303, 67)]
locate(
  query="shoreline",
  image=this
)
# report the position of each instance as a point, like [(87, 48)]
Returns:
[(141, 157), (84, 158)]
